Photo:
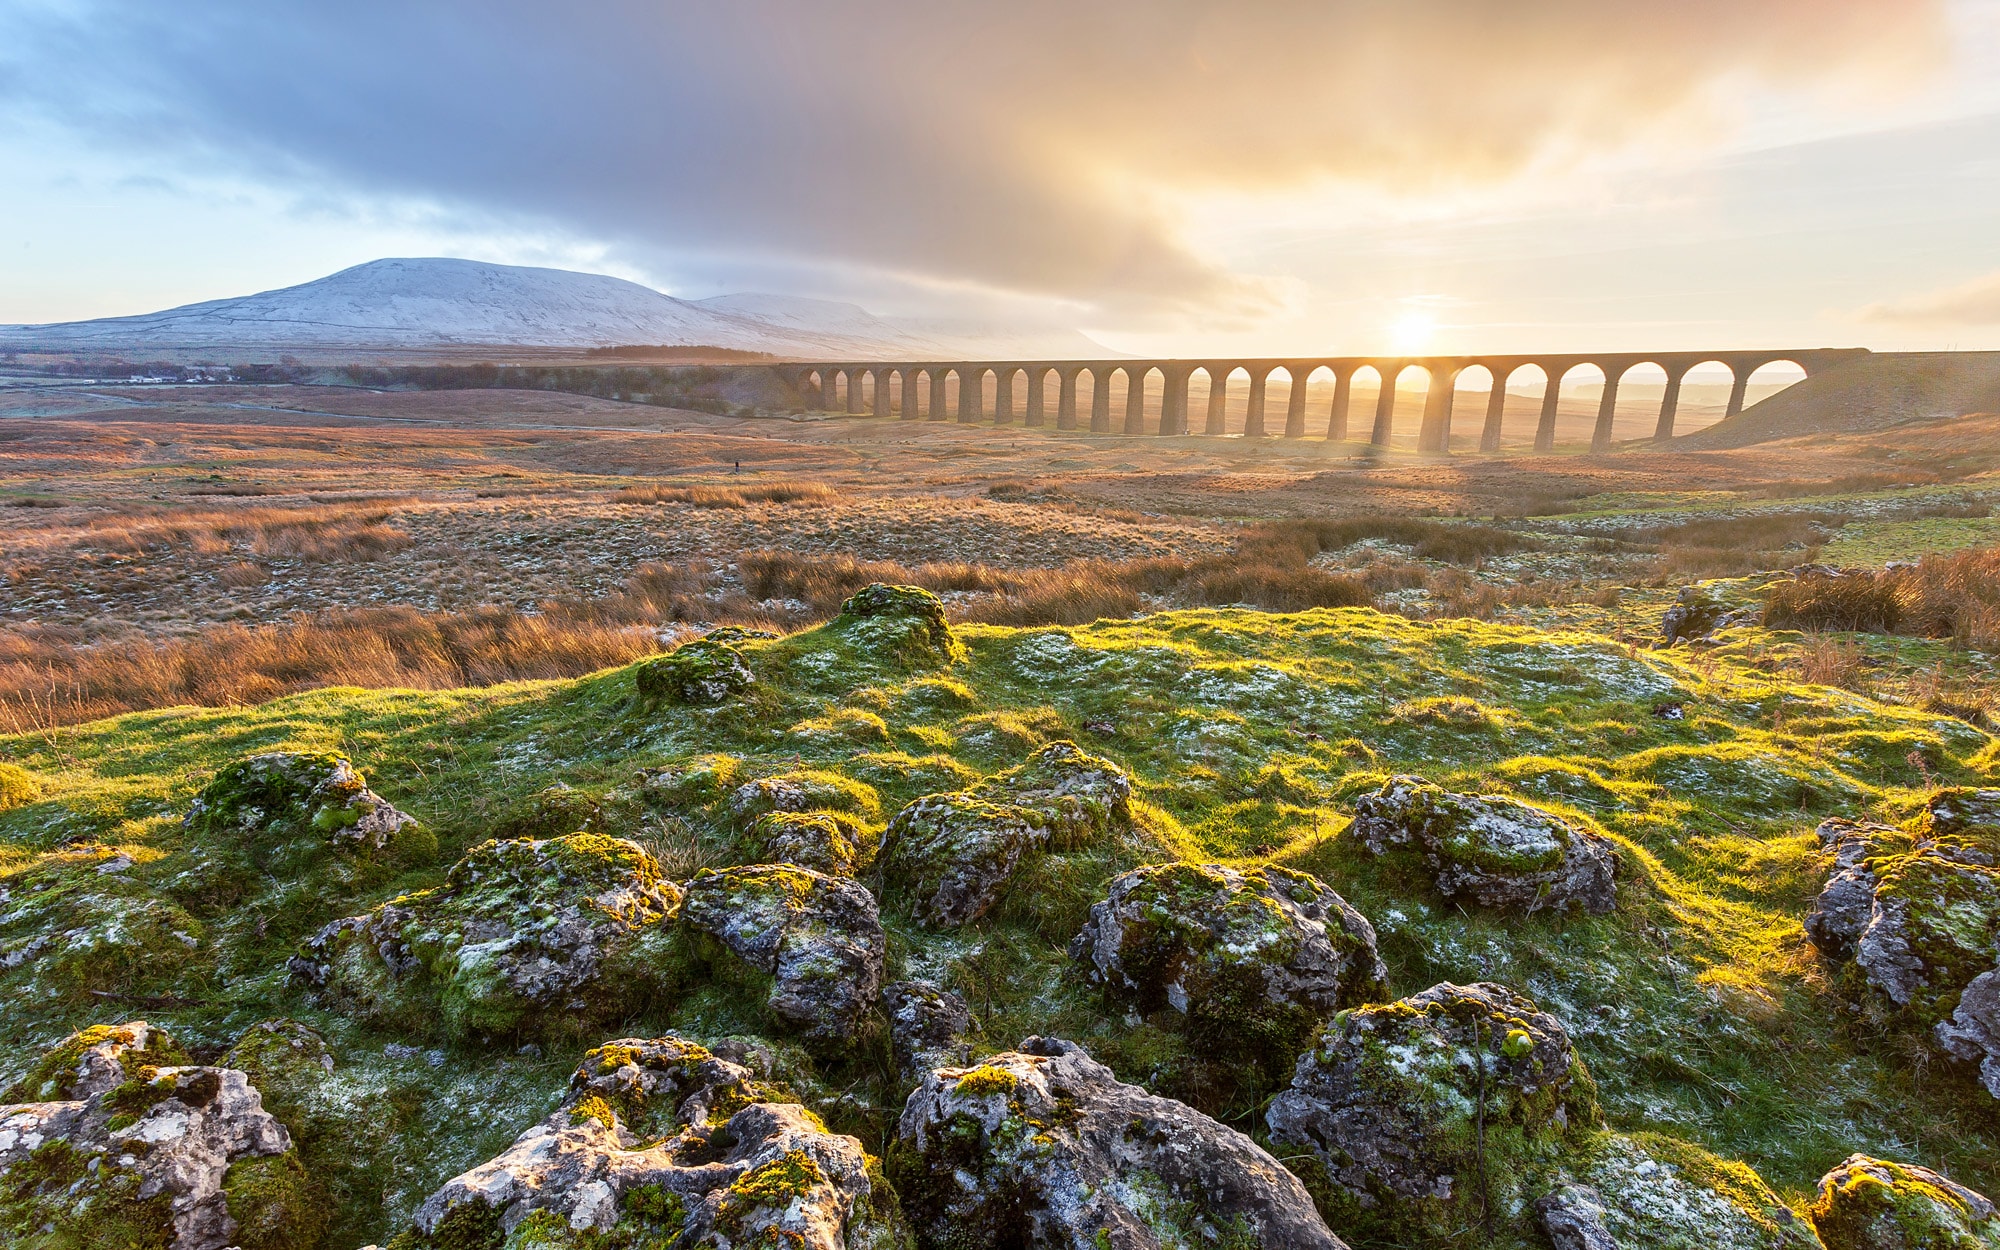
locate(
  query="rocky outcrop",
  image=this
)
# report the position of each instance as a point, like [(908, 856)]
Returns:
[(660, 1142), (525, 937), (702, 673), (1699, 613), (1247, 964), (127, 1140), (1495, 850), (827, 842), (1910, 919), (1973, 1031), (927, 1026), (806, 790), (903, 625), (1408, 1105), (951, 855), (1643, 1191), (265, 804), (1873, 1204), (1044, 1146), (818, 938)]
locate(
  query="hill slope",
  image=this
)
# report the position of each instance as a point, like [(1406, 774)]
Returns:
[(1871, 393), (442, 303)]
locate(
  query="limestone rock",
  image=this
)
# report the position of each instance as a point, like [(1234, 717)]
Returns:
[(701, 673), (902, 624), (263, 803), (1648, 1192), (1698, 613), (1973, 1031), (927, 1025), (1908, 918), (819, 938), (952, 854), (527, 937), (658, 1142), (1872, 1204), (1961, 810), (1496, 850), (123, 1139), (827, 842), (1250, 963), (1396, 1099), (1044, 1146), (806, 790)]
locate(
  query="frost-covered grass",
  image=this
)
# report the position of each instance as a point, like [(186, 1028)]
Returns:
[(1697, 1004)]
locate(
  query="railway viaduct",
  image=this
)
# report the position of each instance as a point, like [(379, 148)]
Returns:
[(926, 389)]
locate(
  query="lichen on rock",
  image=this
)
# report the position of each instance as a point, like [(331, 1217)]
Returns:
[(902, 624), (803, 790), (1044, 1146), (1247, 964), (525, 937), (125, 1143), (828, 842), (660, 1142), (1656, 1192), (951, 855), (1498, 851), (702, 673), (928, 1026), (1873, 1204), (817, 937), (1428, 1111), (278, 811)]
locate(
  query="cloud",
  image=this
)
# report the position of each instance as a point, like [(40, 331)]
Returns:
[(1974, 303), (1037, 147)]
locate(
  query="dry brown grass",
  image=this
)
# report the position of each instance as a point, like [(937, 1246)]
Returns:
[(320, 532), (730, 495), (1832, 662), (49, 678), (1954, 595)]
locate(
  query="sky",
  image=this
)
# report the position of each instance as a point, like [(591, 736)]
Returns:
[(1172, 177)]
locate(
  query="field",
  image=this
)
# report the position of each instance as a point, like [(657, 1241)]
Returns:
[(457, 591)]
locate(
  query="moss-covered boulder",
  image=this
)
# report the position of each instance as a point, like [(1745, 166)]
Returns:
[(1908, 918), (1429, 1112), (79, 924), (124, 1147), (928, 1025), (1873, 1204), (803, 790), (950, 856), (818, 938), (1701, 610), (1619, 1191), (903, 625), (1246, 964), (280, 815), (18, 786), (828, 842), (1497, 851), (659, 1142), (1972, 1033), (1044, 1146), (525, 937), (1958, 811), (702, 673)]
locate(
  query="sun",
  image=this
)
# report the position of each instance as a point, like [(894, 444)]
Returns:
[(1411, 333)]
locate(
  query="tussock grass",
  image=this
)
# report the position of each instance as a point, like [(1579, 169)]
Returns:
[(731, 496), (1954, 595)]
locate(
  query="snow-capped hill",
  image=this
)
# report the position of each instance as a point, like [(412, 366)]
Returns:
[(442, 304)]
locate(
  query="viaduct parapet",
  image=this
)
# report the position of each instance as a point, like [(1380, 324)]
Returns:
[(1023, 390)]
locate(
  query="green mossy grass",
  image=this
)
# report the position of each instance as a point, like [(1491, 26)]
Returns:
[(1697, 1006)]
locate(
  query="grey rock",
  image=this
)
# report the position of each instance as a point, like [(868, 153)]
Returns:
[(1973, 1032), (1697, 615), (927, 1025), (819, 937), (826, 842), (1394, 1097), (192, 1123), (1496, 850), (1573, 1219), (1255, 961), (952, 854), (645, 1113), (1872, 1204), (1044, 1146), (1841, 913)]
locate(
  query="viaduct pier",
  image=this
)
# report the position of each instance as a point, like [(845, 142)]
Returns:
[(1027, 391)]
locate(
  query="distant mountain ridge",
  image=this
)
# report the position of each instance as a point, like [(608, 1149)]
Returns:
[(438, 303)]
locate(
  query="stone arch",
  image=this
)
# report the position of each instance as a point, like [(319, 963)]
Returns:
[(1477, 371), (1218, 405), (1134, 407), (1707, 377), (1100, 398), (1440, 391), (1313, 376), (971, 392), (1563, 375), (1507, 378), (1209, 401), (1393, 373), (1757, 386)]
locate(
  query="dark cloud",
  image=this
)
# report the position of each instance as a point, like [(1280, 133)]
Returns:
[(1033, 147)]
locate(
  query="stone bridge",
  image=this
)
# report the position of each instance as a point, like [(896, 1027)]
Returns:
[(926, 387)]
